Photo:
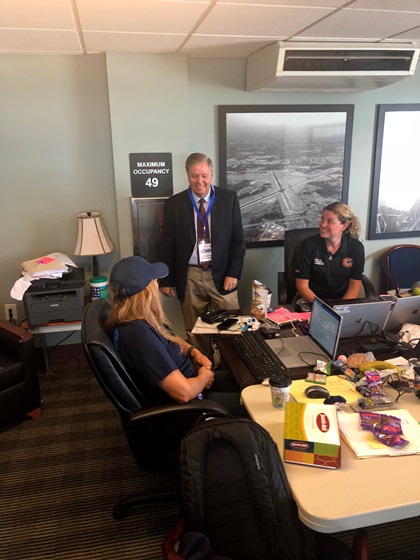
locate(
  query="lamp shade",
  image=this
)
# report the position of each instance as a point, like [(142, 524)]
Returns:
[(92, 238)]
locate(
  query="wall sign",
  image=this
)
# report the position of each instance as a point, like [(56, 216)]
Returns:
[(151, 175)]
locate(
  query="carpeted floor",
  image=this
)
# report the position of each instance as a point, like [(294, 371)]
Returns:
[(61, 477)]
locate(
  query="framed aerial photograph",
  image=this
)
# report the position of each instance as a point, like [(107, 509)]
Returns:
[(285, 162), (395, 203)]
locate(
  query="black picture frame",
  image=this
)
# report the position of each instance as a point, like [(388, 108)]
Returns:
[(395, 202), (308, 147)]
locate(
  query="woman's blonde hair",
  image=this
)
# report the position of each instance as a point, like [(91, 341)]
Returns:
[(346, 216), (145, 305)]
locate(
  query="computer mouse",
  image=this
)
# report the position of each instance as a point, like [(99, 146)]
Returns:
[(302, 307), (269, 332), (316, 392)]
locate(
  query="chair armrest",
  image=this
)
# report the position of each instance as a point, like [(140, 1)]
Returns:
[(196, 405), (16, 342), (13, 332), (368, 287)]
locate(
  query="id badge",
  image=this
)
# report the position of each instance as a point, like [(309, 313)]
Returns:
[(204, 252)]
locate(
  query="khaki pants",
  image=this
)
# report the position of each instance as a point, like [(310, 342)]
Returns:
[(201, 295)]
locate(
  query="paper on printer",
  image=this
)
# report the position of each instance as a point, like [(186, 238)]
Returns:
[(53, 265)]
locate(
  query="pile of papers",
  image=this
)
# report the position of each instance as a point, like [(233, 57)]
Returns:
[(201, 327), (364, 444), (52, 266)]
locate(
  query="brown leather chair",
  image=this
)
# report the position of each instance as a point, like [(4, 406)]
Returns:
[(19, 386)]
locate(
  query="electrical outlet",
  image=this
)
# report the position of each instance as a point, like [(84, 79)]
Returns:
[(10, 307)]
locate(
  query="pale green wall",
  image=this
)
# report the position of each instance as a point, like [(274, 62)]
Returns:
[(66, 121), (149, 102), (210, 83), (55, 158)]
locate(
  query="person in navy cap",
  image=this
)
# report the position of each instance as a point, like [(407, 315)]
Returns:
[(165, 366)]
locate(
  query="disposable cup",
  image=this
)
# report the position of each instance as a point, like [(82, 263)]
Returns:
[(280, 390)]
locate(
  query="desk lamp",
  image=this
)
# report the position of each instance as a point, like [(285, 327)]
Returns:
[(92, 238)]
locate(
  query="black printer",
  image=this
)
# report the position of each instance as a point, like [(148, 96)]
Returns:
[(55, 300)]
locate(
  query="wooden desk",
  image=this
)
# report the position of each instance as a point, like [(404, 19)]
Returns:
[(362, 492), (244, 376), (239, 368)]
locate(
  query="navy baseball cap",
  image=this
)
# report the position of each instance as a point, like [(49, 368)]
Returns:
[(133, 274)]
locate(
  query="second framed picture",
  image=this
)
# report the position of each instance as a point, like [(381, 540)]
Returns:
[(395, 206), (285, 162)]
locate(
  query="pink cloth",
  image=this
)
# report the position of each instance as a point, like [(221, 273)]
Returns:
[(282, 315)]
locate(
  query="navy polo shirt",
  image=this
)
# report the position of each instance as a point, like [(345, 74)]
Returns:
[(150, 358)]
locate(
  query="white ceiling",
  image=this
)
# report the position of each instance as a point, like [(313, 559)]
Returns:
[(199, 28)]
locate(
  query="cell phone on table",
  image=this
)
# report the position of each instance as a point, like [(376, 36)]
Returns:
[(226, 324)]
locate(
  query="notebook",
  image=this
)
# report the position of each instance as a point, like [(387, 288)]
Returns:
[(320, 344), (361, 319), (404, 310)]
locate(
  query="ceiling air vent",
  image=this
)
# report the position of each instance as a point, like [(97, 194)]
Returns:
[(327, 67)]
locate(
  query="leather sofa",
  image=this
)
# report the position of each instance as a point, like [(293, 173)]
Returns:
[(19, 386)]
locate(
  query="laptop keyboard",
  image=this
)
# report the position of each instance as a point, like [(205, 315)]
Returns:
[(332, 302), (298, 345), (261, 360)]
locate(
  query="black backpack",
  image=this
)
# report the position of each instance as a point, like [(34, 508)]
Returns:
[(235, 491)]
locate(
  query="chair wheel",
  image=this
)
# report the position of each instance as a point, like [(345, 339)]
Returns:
[(119, 513)]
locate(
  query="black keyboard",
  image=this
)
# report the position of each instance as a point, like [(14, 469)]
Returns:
[(332, 302), (261, 360)]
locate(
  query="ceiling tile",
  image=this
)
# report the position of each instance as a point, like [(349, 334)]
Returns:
[(132, 42), (140, 16), (44, 14), (39, 41), (395, 5), (258, 21), (219, 46), (412, 35), (349, 24), (292, 3)]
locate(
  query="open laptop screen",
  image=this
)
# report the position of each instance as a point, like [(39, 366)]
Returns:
[(324, 327)]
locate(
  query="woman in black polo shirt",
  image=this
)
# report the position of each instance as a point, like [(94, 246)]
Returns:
[(330, 264)]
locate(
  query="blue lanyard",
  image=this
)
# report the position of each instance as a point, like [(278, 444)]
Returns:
[(197, 211)]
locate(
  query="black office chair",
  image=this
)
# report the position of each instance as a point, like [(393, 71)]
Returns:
[(401, 265), (153, 432), (286, 280)]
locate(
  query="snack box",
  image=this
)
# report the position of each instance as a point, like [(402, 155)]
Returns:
[(311, 435)]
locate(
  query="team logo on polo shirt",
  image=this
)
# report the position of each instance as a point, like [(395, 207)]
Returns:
[(347, 262)]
